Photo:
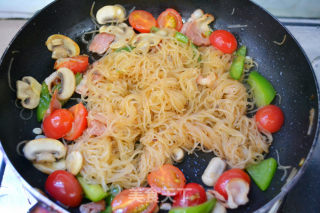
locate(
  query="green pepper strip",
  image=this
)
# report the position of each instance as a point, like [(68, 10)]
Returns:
[(242, 51), (262, 89), (126, 48), (237, 65), (78, 77), (202, 208), (154, 29), (181, 37), (93, 192), (44, 103), (263, 172)]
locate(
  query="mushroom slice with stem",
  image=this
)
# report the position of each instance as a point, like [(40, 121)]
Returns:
[(74, 162), (28, 91), (48, 168), (122, 32), (144, 41), (178, 155), (62, 46), (67, 83), (111, 13), (44, 150)]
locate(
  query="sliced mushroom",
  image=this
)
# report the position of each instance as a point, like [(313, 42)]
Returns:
[(213, 171), (48, 168), (44, 150), (111, 13), (178, 155), (144, 41), (122, 32), (28, 91), (62, 46), (67, 80), (74, 162)]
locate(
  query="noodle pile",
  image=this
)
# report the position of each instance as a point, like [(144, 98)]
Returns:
[(144, 105)]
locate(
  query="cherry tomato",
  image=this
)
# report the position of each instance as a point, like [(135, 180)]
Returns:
[(64, 187), (270, 118), (142, 21), (79, 124), (170, 18), (192, 194), (75, 64), (130, 200), (58, 123), (223, 180), (223, 40), (168, 180)]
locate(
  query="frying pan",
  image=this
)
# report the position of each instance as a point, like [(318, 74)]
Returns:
[(286, 66)]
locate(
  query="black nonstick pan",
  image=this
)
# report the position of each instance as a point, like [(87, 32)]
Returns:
[(286, 66)]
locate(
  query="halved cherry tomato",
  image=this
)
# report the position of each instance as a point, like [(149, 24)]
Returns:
[(79, 124), (58, 123), (170, 18), (223, 180), (141, 199), (64, 187), (142, 21), (270, 118), (224, 41), (75, 64), (192, 194), (168, 180)]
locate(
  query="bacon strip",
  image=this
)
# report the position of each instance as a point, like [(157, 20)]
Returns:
[(101, 42)]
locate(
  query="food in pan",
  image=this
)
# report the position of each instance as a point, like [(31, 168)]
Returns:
[(161, 89)]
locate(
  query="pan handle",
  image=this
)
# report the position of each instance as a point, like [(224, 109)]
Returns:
[(41, 208)]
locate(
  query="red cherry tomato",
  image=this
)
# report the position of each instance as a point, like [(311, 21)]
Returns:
[(75, 64), (58, 123), (223, 40), (168, 180), (192, 194), (79, 124), (64, 187), (223, 180), (130, 200), (270, 118), (142, 21), (170, 18)]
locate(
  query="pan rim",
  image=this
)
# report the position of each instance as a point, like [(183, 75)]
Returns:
[(284, 190)]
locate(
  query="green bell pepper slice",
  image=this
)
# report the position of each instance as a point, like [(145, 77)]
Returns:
[(154, 29), (242, 51), (181, 37), (263, 90), (263, 172), (126, 48), (78, 77), (44, 103), (237, 65), (93, 192), (202, 208)]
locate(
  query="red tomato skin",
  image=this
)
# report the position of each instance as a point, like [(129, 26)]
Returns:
[(223, 180), (64, 187), (162, 19), (142, 21), (75, 64), (79, 124), (224, 41), (126, 203), (270, 118), (58, 123), (193, 194), (167, 181)]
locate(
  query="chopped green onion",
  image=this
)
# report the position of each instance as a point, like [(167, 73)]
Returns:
[(93, 192), (181, 37), (44, 103), (154, 29), (126, 48), (78, 77)]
